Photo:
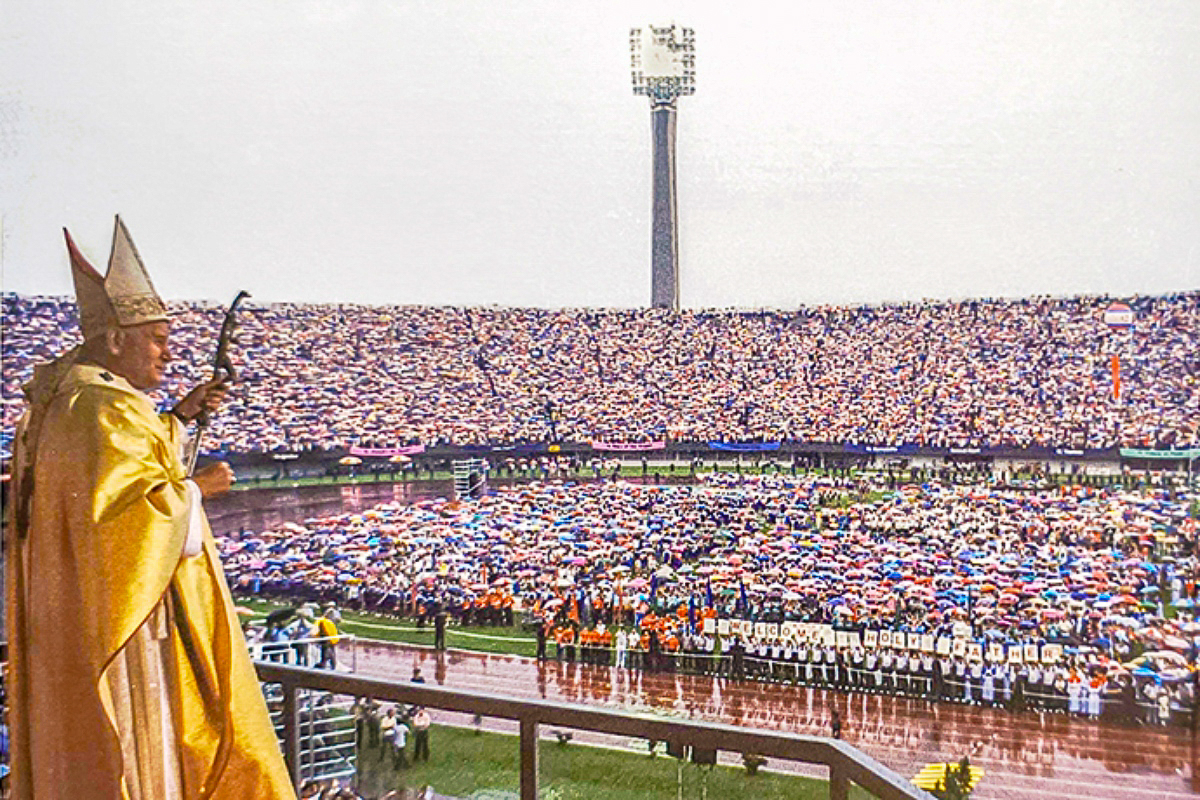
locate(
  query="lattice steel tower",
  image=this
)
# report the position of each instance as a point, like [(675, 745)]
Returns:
[(664, 69)]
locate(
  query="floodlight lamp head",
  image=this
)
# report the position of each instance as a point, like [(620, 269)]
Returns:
[(664, 63)]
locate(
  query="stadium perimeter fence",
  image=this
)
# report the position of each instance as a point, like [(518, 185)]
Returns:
[(298, 691)]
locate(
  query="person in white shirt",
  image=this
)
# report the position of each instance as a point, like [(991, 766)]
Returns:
[(399, 745)]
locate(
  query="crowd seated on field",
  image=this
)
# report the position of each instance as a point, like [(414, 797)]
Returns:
[(1016, 373), (809, 579)]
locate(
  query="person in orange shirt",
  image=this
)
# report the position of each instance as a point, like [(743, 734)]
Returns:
[(568, 641), (506, 603), (560, 647), (494, 604), (670, 649), (606, 647)]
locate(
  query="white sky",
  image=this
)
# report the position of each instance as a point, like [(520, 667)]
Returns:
[(455, 152)]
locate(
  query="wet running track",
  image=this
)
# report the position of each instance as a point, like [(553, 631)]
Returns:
[(1025, 755)]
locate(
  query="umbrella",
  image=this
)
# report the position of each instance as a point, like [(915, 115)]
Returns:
[(931, 775), (279, 616)]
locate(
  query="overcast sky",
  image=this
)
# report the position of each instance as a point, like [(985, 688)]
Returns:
[(447, 152)]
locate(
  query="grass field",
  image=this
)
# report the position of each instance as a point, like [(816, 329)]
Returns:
[(442, 476), (465, 763)]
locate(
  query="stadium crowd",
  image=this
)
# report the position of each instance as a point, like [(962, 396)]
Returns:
[(1014, 373), (1075, 599)]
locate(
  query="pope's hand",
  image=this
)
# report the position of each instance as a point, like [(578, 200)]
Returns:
[(213, 479), (205, 397)]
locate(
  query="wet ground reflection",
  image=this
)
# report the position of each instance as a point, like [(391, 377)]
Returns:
[(1026, 755), (261, 509)]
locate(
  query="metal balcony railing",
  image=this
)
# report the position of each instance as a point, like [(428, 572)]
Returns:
[(846, 763)]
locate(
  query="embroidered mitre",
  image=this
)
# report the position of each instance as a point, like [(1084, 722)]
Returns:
[(124, 296)]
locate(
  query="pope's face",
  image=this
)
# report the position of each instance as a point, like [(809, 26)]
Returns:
[(141, 354)]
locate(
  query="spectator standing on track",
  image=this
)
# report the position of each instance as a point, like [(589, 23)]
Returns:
[(439, 630), (541, 640)]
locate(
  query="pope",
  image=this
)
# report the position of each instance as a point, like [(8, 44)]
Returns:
[(129, 676)]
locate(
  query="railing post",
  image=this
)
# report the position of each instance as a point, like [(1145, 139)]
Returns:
[(529, 759), (291, 734), (839, 784)]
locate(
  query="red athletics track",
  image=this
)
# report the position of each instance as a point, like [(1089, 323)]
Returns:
[(1025, 755)]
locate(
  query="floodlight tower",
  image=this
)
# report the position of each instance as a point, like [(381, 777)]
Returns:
[(664, 69)]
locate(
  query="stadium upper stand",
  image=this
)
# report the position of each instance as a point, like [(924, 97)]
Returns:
[(1021, 373)]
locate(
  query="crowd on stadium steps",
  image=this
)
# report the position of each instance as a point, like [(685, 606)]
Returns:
[(1027, 372), (805, 578)]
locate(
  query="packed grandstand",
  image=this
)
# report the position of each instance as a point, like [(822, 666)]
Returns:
[(1027, 374)]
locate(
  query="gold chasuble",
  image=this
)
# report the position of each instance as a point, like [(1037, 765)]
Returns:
[(122, 648)]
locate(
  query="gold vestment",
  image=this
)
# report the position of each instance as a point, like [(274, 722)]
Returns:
[(95, 562)]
